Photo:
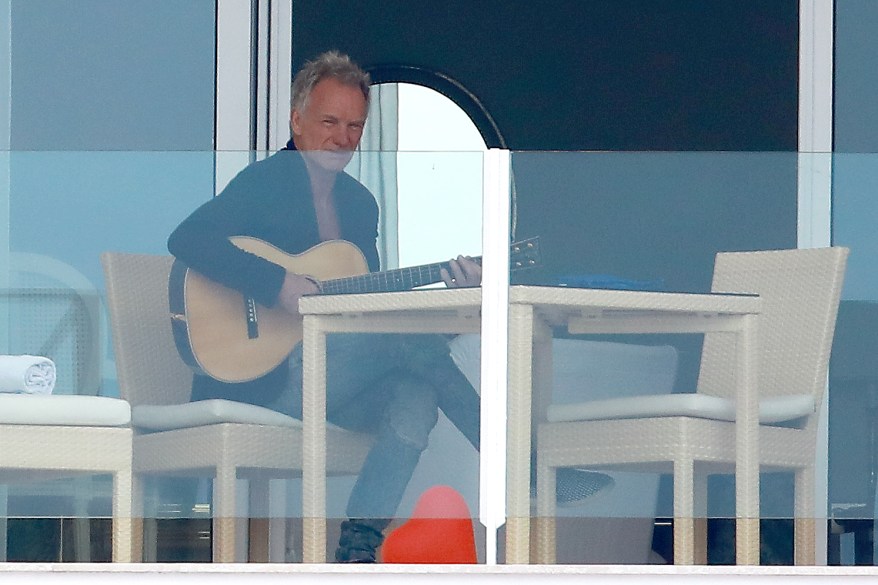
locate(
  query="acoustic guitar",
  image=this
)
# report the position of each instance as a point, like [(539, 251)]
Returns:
[(221, 333)]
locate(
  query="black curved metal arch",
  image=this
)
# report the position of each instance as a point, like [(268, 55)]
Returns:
[(460, 95), (450, 88)]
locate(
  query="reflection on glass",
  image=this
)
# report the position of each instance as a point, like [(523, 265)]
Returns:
[(853, 377), (90, 203), (65, 209), (439, 217), (605, 220), (647, 221)]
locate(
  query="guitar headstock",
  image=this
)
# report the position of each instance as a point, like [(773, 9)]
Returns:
[(525, 254)]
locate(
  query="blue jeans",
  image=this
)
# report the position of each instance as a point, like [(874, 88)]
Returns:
[(391, 386)]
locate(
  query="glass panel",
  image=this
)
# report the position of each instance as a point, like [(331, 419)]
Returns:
[(853, 381), (440, 207), (390, 384), (66, 208), (92, 75), (104, 145), (633, 222)]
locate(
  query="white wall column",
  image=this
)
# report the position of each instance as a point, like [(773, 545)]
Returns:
[(233, 125), (815, 121), (253, 76), (279, 74), (815, 186)]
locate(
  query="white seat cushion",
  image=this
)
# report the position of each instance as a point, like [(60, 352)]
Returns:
[(771, 410), (64, 410), (207, 412)]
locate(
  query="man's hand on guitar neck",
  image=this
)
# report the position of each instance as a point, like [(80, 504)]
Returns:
[(462, 271), (295, 287)]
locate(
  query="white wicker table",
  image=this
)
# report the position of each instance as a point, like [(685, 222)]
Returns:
[(422, 311), (533, 312)]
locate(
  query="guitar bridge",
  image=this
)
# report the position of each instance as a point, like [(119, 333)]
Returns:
[(251, 317)]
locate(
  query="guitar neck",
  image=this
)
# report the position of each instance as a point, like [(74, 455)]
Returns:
[(399, 279), (523, 254)]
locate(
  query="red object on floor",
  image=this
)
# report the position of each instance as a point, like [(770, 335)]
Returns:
[(440, 531)]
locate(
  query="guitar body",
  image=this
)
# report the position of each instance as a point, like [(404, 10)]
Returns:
[(210, 321), (231, 338)]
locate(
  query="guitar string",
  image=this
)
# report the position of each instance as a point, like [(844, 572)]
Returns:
[(392, 280), (402, 278)]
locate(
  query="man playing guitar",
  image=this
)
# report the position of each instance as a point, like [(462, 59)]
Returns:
[(389, 385)]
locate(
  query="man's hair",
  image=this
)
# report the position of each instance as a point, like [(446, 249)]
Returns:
[(330, 64)]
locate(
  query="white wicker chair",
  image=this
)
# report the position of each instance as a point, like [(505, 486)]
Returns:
[(71, 434), (205, 438), (693, 435)]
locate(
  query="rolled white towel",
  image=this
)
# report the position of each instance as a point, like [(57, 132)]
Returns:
[(27, 374)]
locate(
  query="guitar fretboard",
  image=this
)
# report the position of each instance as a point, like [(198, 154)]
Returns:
[(388, 281), (523, 254)]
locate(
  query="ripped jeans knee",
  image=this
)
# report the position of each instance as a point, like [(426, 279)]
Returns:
[(411, 412)]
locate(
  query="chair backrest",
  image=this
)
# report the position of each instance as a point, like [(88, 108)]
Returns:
[(148, 367), (800, 292), (54, 311)]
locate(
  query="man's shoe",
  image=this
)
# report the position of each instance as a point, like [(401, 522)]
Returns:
[(575, 486), (359, 540)]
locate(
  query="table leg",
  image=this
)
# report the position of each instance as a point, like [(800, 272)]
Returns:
[(521, 328), (747, 440), (543, 522), (313, 441)]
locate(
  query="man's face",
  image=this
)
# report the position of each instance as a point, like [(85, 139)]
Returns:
[(331, 124)]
